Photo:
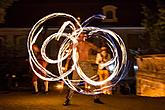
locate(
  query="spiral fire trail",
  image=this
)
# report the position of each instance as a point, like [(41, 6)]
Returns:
[(68, 49)]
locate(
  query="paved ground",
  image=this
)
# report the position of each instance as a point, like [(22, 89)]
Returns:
[(54, 100)]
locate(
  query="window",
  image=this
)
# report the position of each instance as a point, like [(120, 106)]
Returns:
[(110, 12)]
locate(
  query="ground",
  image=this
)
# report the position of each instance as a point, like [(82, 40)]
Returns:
[(24, 100)]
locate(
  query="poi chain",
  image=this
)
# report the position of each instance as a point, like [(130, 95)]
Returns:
[(115, 44)]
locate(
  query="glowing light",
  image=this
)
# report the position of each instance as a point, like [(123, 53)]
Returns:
[(135, 68), (60, 86), (114, 42)]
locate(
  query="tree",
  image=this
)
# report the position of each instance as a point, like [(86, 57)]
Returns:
[(161, 26), (4, 4), (154, 24)]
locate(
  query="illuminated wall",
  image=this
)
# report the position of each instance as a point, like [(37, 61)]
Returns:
[(151, 75)]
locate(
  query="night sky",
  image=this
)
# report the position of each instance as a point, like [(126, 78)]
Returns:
[(24, 13)]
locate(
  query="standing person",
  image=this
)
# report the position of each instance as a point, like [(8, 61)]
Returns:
[(37, 52), (83, 48), (103, 57)]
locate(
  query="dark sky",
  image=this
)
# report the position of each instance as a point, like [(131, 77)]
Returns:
[(24, 13)]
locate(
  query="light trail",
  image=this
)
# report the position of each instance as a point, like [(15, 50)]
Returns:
[(114, 42)]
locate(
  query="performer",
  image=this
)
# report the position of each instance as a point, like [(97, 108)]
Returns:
[(103, 73), (83, 48), (35, 77)]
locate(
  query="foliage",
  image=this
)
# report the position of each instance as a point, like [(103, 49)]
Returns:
[(161, 25), (5, 3), (154, 24)]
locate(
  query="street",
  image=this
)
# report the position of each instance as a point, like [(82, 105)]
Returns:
[(25, 100)]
